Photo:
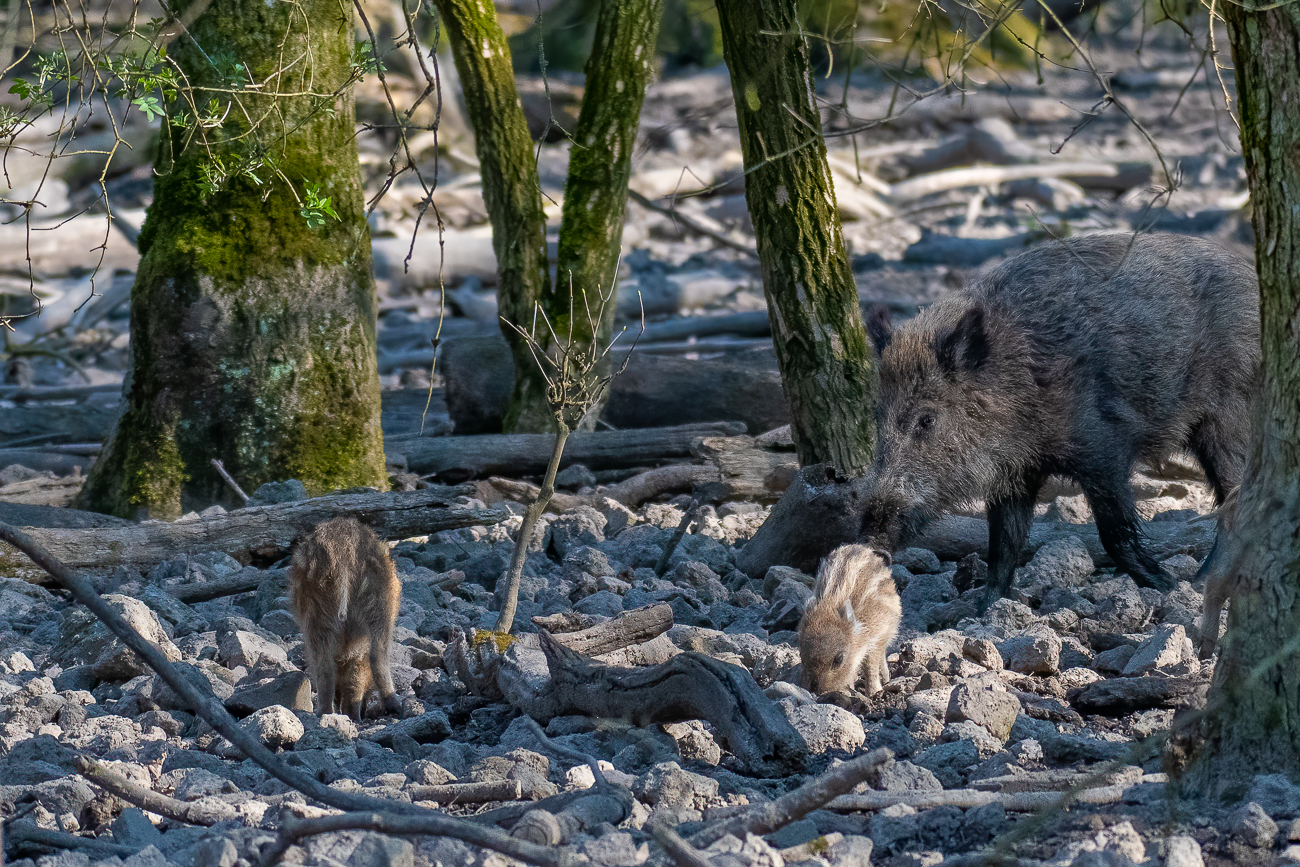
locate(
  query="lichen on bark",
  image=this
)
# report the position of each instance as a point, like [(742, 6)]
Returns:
[(253, 336), (812, 299), (1252, 719)]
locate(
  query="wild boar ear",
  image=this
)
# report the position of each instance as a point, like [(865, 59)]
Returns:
[(965, 346), (879, 328)]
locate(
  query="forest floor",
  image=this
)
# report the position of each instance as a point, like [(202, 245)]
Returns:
[(1093, 666)]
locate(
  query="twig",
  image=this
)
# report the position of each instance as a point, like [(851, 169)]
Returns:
[(568, 752), (682, 853), (469, 793), (683, 525), (234, 486), (694, 225), (196, 813), (429, 824), (792, 806), (1016, 802), (29, 832)]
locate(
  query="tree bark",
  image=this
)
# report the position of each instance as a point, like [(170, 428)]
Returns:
[(253, 335), (1252, 721), (511, 191), (811, 296), (620, 67)]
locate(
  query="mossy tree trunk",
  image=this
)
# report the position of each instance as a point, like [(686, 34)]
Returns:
[(1252, 723), (821, 345), (253, 335), (511, 191), (618, 71)]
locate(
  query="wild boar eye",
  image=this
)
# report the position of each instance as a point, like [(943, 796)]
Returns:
[(838, 660), (923, 423)]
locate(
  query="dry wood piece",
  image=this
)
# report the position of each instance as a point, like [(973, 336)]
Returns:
[(24, 831), (1019, 802), (673, 478), (628, 628), (690, 686), (191, 813), (1123, 695), (745, 472), (493, 454), (987, 176), (682, 852), (545, 828), (468, 793), (237, 582), (1058, 780), (266, 531), (792, 806)]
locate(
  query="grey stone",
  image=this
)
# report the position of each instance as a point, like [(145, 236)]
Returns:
[(575, 476), (993, 710), (1166, 651), (853, 850), (133, 828), (666, 783), (694, 742), (918, 561), (603, 603), (250, 650), (1183, 851), (291, 689), (1276, 794), (1115, 660), (1063, 562), (1010, 615), (777, 575), (615, 849), (84, 640), (983, 652), (288, 491), (581, 526), (430, 726), (1252, 826), (825, 727), (1036, 652), (950, 762), (149, 856), (904, 776), (275, 726), (215, 851), (923, 593), (986, 746)]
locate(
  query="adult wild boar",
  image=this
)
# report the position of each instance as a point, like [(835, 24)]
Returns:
[(1077, 358)]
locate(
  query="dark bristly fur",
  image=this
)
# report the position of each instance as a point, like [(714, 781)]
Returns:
[(345, 594), (850, 621), (1077, 359)]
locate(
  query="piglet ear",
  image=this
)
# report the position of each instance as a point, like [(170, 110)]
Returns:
[(965, 346), (879, 328)]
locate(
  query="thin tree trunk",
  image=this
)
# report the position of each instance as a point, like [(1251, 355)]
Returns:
[(253, 335), (620, 67), (511, 191), (811, 297), (1252, 723)]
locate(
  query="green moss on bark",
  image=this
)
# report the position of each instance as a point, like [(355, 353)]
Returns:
[(812, 299), (253, 335)]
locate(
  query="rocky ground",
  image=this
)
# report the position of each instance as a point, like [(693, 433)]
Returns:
[(1078, 672)]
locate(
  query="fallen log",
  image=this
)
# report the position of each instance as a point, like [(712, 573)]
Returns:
[(457, 457), (1018, 802), (988, 176), (262, 531), (652, 391), (689, 686), (1123, 695)]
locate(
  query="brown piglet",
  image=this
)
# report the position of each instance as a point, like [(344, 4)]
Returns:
[(850, 621), (344, 592)]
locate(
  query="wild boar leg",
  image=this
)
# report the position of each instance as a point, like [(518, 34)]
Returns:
[(1009, 521), (1121, 534), (1215, 451)]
